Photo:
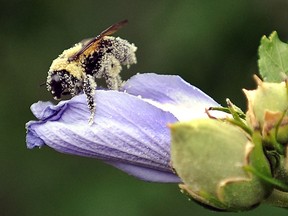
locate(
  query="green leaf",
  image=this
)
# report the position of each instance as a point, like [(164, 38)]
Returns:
[(273, 58)]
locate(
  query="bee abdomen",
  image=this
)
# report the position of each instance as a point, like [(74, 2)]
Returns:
[(107, 59)]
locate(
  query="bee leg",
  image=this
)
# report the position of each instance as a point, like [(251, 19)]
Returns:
[(113, 82), (89, 88), (111, 72), (120, 82)]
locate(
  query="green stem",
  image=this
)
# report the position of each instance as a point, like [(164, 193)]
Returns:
[(274, 182)]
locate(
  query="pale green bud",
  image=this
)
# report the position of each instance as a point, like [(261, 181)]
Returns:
[(210, 156), (267, 109)]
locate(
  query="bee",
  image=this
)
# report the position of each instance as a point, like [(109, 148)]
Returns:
[(78, 68)]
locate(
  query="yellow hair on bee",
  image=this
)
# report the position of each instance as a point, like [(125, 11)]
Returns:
[(62, 63)]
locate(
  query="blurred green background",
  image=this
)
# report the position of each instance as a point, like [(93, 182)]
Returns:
[(211, 44)]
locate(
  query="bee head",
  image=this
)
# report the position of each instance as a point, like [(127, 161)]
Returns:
[(61, 83), (56, 86)]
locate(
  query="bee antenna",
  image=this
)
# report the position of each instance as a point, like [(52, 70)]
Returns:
[(42, 84)]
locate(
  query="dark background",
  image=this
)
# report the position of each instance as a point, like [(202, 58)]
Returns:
[(211, 44)]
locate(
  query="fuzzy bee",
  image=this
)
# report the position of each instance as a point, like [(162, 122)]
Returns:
[(78, 68)]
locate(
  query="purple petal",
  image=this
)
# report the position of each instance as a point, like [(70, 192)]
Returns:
[(173, 94), (128, 133), (147, 173)]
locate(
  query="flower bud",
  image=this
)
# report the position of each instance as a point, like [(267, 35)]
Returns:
[(210, 157), (267, 109)]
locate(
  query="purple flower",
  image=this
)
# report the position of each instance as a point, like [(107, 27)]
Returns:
[(130, 126)]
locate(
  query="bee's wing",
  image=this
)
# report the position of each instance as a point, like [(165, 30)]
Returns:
[(87, 44), (86, 41), (113, 28)]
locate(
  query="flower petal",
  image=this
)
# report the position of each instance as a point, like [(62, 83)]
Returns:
[(128, 133), (147, 173), (173, 94)]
